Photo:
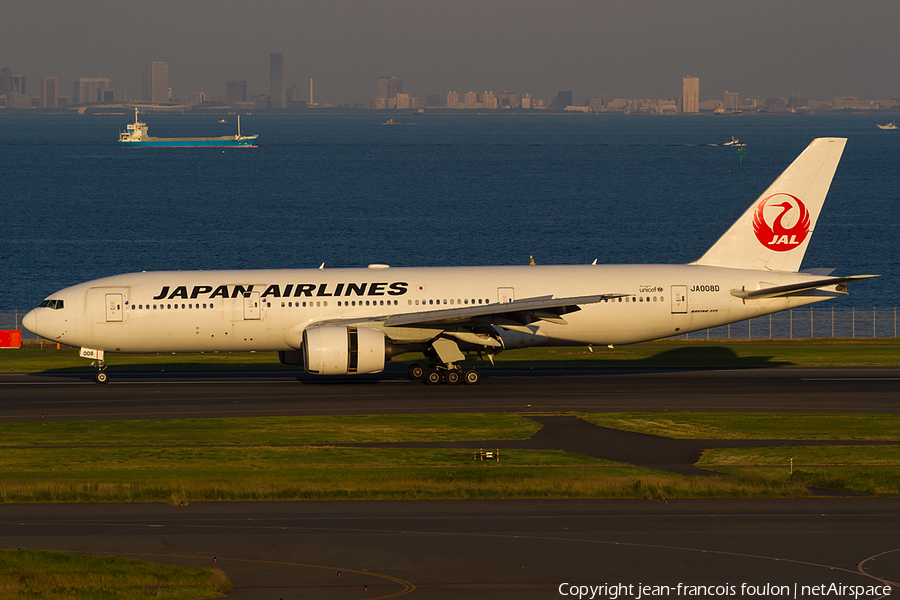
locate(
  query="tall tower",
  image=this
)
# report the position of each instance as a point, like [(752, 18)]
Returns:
[(691, 95), (395, 86), (383, 87), (49, 91), (156, 82), (276, 80)]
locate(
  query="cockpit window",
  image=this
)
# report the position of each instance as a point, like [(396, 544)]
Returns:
[(54, 304)]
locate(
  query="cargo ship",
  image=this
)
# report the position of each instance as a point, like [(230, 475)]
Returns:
[(135, 134)]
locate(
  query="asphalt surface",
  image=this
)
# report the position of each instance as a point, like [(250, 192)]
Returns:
[(486, 549), (490, 549), (175, 395)]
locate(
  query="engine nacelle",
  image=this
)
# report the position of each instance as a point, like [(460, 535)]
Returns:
[(335, 350)]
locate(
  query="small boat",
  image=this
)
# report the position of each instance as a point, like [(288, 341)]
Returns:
[(389, 122), (222, 121), (734, 142), (890, 125)]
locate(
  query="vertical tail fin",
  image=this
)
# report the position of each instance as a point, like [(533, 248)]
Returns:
[(774, 232)]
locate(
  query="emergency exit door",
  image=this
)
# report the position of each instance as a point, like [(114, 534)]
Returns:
[(251, 306), (114, 308), (679, 299)]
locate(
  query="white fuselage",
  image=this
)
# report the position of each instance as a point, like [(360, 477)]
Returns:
[(206, 311)]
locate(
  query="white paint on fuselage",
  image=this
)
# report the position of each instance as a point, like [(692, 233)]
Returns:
[(207, 324)]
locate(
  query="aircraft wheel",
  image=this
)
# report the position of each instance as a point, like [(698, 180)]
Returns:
[(471, 376), (452, 377), (101, 377), (416, 372), (432, 377)]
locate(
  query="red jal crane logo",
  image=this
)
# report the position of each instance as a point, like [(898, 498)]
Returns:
[(778, 236)]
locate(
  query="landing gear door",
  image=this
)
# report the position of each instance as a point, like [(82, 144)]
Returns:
[(114, 308), (679, 299), (251, 306), (506, 295)]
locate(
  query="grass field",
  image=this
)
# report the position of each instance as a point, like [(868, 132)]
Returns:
[(755, 426), (54, 576), (666, 353), (188, 460), (869, 470)]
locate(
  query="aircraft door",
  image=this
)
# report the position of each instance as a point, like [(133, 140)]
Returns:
[(251, 306), (506, 295), (679, 299), (114, 310)]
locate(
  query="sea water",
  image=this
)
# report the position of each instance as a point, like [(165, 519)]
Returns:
[(348, 191)]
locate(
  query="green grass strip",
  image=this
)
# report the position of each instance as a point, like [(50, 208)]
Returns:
[(270, 431), (868, 470), (755, 426), (494, 482), (191, 460), (31, 574)]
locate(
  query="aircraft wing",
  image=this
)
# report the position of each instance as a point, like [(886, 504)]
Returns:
[(784, 290), (512, 315), (519, 312)]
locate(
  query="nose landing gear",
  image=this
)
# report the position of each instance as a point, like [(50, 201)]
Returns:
[(101, 376)]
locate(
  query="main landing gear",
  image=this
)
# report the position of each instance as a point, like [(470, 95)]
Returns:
[(439, 373)]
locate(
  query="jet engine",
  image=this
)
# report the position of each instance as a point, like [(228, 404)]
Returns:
[(336, 350)]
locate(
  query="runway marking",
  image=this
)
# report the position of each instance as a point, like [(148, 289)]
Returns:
[(408, 587), (859, 567), (850, 379)]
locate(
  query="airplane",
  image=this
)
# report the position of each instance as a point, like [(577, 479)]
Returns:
[(351, 321)]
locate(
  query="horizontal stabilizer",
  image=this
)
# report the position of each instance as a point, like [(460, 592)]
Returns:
[(783, 290)]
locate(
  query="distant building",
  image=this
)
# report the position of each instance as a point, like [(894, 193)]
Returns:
[(89, 90), (732, 101), (507, 100), (235, 92), (489, 100), (562, 100), (276, 80), (155, 77), (388, 90), (690, 95), (452, 100), (395, 86), (12, 85), (384, 87), (49, 91)]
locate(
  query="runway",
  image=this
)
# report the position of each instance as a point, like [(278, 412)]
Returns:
[(481, 549), (179, 395)]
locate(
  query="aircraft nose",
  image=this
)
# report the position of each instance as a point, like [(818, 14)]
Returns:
[(29, 322)]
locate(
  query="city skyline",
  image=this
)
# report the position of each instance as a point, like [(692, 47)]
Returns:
[(639, 49)]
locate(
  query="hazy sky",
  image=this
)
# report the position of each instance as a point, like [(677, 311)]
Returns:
[(628, 48)]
